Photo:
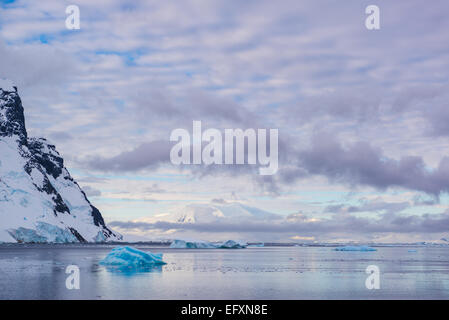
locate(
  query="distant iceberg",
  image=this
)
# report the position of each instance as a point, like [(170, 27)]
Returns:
[(128, 256), (231, 244), (200, 244), (192, 244), (355, 248)]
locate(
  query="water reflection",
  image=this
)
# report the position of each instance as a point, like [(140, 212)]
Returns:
[(133, 270), (38, 272)]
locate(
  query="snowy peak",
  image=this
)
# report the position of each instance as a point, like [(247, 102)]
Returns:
[(210, 213), (12, 120), (7, 85), (39, 200)]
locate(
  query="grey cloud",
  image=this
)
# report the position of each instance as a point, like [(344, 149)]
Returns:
[(362, 164), (181, 107), (363, 105), (419, 200), (429, 100), (370, 206), (146, 155), (60, 136), (91, 192), (31, 65)]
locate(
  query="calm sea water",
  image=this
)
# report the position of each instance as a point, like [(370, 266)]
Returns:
[(38, 272)]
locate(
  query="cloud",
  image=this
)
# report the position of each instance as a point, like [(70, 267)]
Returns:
[(61, 136), (35, 65), (370, 206), (146, 155), (91, 192), (362, 164)]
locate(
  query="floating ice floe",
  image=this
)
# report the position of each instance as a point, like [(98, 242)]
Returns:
[(128, 256), (355, 248)]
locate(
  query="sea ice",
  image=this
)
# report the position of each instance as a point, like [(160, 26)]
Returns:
[(355, 248), (128, 256)]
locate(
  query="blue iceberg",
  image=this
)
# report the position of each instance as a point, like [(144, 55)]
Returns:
[(355, 248), (192, 244), (199, 244), (131, 257), (231, 244)]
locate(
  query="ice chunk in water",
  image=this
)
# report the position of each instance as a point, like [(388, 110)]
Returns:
[(128, 256), (355, 248)]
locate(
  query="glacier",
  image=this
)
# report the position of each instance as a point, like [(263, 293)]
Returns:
[(44, 233), (355, 248), (39, 200), (131, 257)]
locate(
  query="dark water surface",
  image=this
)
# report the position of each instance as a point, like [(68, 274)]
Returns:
[(38, 272)]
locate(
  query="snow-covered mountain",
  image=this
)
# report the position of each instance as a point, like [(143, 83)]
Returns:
[(39, 200), (206, 216), (208, 213)]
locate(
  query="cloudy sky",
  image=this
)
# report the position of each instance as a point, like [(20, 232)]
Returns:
[(362, 114)]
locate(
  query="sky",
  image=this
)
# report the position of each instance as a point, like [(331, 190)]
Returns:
[(362, 114)]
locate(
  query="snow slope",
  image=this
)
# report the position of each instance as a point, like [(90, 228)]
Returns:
[(39, 200)]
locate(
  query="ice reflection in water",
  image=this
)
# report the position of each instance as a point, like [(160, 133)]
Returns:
[(38, 272)]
